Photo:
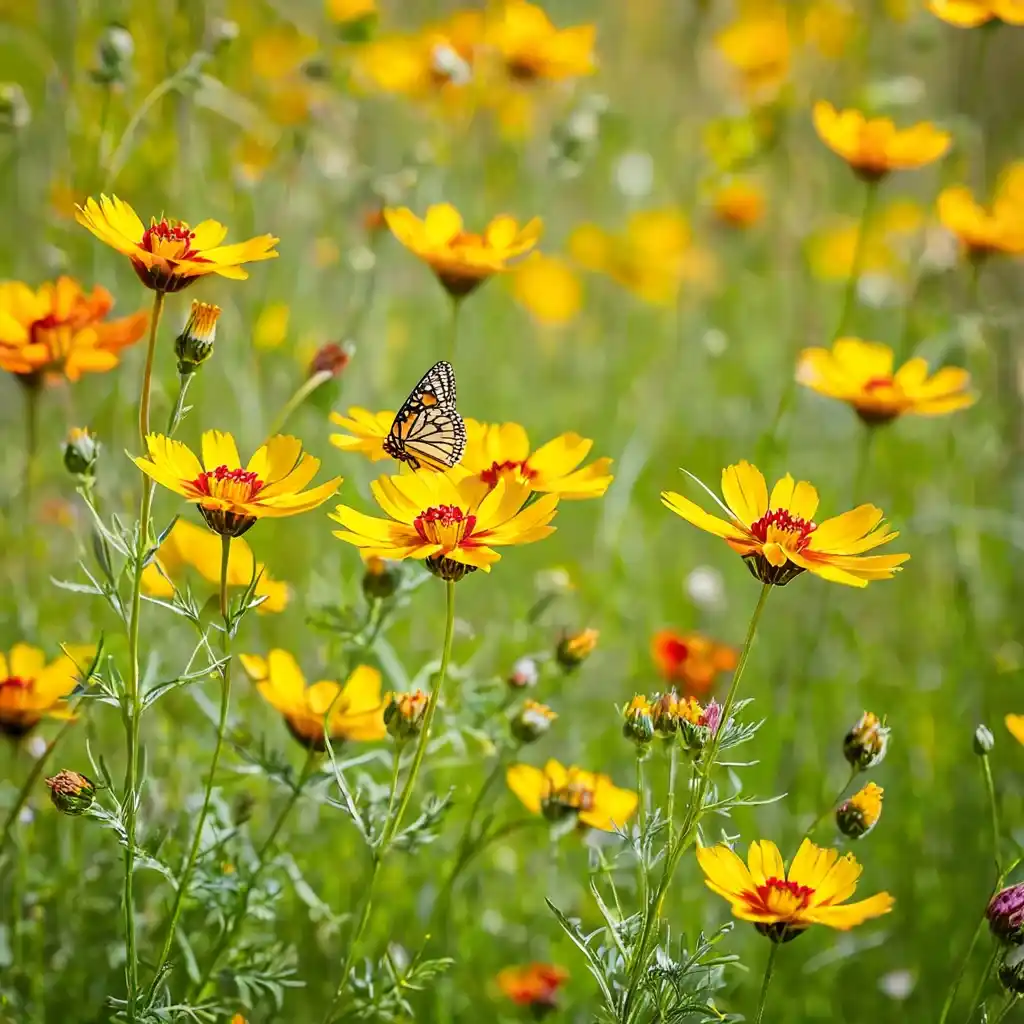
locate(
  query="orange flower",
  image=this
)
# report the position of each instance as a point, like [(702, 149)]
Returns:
[(740, 203), (691, 661), (31, 690), (62, 330), (534, 985), (875, 146)]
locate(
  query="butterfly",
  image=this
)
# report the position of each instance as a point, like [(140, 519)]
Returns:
[(428, 431)]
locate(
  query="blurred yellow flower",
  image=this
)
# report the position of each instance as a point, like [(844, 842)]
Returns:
[(757, 48), (366, 432), (782, 904), (548, 289), (971, 13), (229, 497), (169, 255), (829, 26), (778, 537), (980, 231), (461, 260), (861, 374), (497, 451), (884, 250), (271, 327), (561, 793), (60, 330), (652, 257), (739, 202), (190, 546), (31, 690), (356, 707), (531, 48), (452, 519), (875, 146), (1015, 723), (349, 10)]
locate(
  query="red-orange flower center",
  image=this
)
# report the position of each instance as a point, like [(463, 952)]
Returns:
[(497, 470), (446, 525), (173, 241), (878, 383), (235, 485), (779, 897), (783, 521), (16, 683)]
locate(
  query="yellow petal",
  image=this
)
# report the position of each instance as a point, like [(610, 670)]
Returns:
[(528, 784), (745, 492)]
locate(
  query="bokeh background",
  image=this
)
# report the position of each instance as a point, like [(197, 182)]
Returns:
[(673, 347)]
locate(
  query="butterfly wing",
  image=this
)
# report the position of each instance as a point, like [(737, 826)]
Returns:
[(427, 429)]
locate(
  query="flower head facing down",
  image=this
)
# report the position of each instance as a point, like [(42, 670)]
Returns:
[(862, 374), (356, 707), (691, 661), (169, 255), (229, 497), (857, 816), (71, 792), (462, 260), (875, 146), (865, 745), (497, 450), (781, 904), (981, 231), (31, 690), (533, 985), (561, 794), (531, 49), (452, 520), (60, 330), (971, 13), (778, 537)]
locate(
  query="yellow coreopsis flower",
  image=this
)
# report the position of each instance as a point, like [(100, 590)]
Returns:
[(169, 255), (884, 248), (366, 432), (498, 450), (229, 497), (548, 288), (861, 373), (1015, 724), (781, 904), (461, 260), (875, 146), (452, 520), (983, 232), (561, 793), (31, 690), (190, 546), (971, 13), (356, 707), (61, 330), (758, 49), (532, 49), (349, 10), (778, 538)]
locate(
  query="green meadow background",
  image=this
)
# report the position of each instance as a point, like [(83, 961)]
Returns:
[(698, 384)]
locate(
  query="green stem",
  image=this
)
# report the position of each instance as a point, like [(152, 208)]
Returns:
[(993, 805), (308, 387), (225, 700), (769, 967), (175, 419), (982, 982), (673, 764), (133, 711), (31, 391), (828, 810), (453, 336), (1011, 1002), (850, 295)]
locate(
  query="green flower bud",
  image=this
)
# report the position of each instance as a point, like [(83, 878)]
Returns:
[(866, 743), (195, 343), (81, 451), (71, 793), (15, 113), (532, 721), (984, 741), (638, 725), (404, 714), (381, 578)]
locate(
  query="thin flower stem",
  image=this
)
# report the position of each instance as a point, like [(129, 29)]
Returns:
[(133, 711), (1011, 1002), (769, 967), (176, 413), (673, 764), (993, 804), (31, 392), (856, 264), (225, 701), (308, 387), (979, 992), (453, 336), (830, 807)]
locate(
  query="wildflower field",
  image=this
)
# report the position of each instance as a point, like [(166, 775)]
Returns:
[(496, 501)]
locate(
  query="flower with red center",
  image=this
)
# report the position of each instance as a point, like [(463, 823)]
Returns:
[(31, 690), (169, 255), (229, 497), (452, 520), (781, 904), (862, 374), (496, 450), (533, 985), (61, 330), (778, 537), (560, 793), (875, 146), (691, 661)]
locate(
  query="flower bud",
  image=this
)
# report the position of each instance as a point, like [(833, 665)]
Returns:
[(1005, 914), (574, 648), (525, 673), (984, 741), (114, 52), (15, 113), (381, 578), (1011, 971), (865, 744), (665, 714), (331, 358), (404, 714), (857, 816), (195, 343), (712, 717), (222, 32), (531, 721), (71, 793), (81, 450), (639, 721)]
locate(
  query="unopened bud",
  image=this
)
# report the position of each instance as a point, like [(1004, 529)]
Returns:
[(984, 741), (381, 578), (404, 714), (114, 52), (331, 358), (1005, 915), (525, 674), (1011, 971), (223, 32), (195, 343), (866, 743), (71, 793), (81, 451), (574, 648), (15, 113), (532, 721), (857, 816), (665, 714), (638, 724)]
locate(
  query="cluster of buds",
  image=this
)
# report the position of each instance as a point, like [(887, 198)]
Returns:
[(638, 724), (81, 452), (672, 717), (381, 578), (1005, 915), (71, 792), (865, 744), (525, 674), (857, 816), (114, 53), (404, 714), (531, 721), (195, 343), (574, 648)]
